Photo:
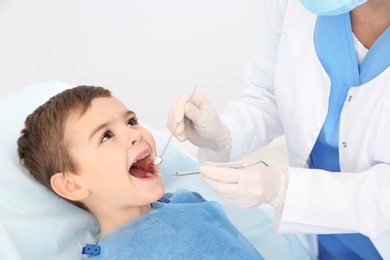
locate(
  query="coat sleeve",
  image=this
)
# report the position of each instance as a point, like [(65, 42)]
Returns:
[(253, 119), (324, 202)]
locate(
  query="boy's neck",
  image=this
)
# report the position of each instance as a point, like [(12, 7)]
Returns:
[(109, 219)]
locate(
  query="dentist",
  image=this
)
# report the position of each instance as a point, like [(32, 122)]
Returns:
[(320, 76)]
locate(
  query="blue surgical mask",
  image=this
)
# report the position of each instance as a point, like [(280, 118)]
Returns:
[(331, 7)]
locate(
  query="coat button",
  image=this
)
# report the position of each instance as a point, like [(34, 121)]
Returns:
[(344, 144), (349, 98)]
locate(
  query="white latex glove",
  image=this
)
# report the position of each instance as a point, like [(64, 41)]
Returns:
[(198, 122), (248, 187)]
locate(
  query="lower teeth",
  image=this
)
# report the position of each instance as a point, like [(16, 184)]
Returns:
[(149, 174)]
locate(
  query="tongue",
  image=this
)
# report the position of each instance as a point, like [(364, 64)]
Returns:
[(137, 173)]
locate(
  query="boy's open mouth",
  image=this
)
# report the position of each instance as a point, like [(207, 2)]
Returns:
[(142, 168)]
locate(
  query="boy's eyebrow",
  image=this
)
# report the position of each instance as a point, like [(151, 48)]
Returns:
[(129, 113), (104, 125), (97, 129)]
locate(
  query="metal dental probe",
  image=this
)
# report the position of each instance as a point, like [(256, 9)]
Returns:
[(232, 166)]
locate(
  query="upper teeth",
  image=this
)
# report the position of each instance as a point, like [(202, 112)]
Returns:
[(140, 158)]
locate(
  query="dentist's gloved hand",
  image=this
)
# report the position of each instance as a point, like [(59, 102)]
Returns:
[(248, 187), (198, 122)]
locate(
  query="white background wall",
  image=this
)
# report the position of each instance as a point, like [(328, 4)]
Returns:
[(147, 52)]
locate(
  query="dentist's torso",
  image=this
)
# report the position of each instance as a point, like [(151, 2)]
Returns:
[(302, 89)]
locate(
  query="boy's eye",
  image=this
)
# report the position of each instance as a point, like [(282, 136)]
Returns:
[(132, 121), (107, 135)]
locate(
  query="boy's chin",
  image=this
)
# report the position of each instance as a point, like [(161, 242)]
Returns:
[(159, 193)]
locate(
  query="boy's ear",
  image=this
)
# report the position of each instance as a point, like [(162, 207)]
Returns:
[(67, 187)]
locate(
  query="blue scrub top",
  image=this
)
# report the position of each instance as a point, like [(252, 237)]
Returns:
[(335, 49)]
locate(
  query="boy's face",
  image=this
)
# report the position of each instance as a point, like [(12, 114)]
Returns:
[(112, 154)]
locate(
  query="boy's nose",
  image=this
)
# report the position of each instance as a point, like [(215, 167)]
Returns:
[(134, 136)]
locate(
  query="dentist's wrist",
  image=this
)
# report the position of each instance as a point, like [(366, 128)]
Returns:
[(224, 142), (278, 201)]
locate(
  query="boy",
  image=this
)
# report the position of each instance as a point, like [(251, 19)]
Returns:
[(87, 147)]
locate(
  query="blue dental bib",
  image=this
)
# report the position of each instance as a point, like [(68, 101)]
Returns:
[(181, 225)]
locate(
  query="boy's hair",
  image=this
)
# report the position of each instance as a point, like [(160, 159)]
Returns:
[(41, 146)]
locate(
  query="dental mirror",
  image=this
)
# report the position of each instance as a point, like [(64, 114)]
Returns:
[(159, 159)]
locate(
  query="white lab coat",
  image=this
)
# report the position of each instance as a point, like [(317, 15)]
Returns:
[(287, 93)]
